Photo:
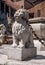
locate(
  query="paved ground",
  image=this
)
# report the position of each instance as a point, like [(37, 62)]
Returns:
[(38, 60)]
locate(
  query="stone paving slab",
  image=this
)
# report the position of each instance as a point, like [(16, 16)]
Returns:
[(3, 59), (29, 62)]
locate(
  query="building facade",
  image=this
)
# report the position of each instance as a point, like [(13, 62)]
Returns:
[(36, 8)]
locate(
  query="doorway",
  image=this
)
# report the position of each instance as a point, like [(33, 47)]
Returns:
[(31, 15)]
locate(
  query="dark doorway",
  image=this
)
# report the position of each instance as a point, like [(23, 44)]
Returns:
[(31, 15)]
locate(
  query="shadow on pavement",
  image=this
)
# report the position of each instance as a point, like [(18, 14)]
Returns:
[(38, 57)]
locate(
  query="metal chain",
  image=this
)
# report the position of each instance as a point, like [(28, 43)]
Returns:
[(34, 32)]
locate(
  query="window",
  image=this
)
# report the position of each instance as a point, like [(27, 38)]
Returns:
[(38, 13)]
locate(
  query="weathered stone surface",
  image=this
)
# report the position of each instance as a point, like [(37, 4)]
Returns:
[(3, 59), (22, 33), (18, 53), (21, 53), (38, 60)]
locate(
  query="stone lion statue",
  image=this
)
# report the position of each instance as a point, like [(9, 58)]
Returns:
[(22, 35)]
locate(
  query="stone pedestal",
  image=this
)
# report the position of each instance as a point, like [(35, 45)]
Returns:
[(20, 53)]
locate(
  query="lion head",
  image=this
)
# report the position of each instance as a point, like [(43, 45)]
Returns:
[(21, 13)]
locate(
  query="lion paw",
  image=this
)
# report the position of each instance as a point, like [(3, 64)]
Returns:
[(20, 46), (14, 45)]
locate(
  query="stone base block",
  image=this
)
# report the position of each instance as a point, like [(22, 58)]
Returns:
[(18, 53), (21, 53)]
